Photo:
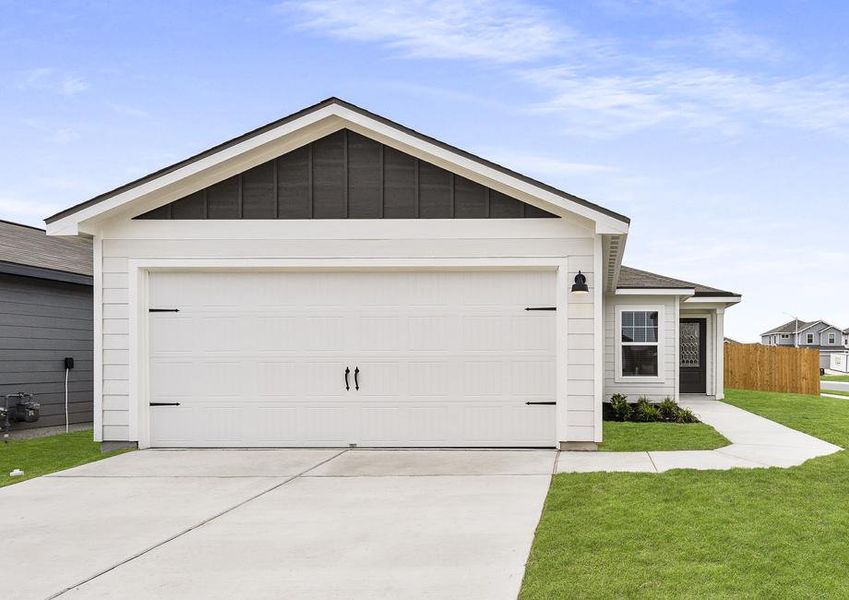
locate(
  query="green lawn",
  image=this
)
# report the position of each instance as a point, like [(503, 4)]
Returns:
[(40, 456), (761, 533), (627, 437), (835, 377)]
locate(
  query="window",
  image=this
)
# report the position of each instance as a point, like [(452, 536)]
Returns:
[(639, 348), (831, 339), (785, 335), (810, 338)]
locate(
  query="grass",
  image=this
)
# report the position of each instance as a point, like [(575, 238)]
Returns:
[(835, 378), (760, 533), (632, 437), (43, 455)]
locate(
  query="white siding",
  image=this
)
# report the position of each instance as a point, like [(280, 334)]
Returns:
[(655, 391), (551, 239), (580, 422)]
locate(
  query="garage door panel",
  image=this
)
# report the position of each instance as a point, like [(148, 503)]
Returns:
[(530, 378), (279, 378), (381, 333), (171, 333), (259, 358), (431, 332), (430, 378), (484, 378), (171, 378)]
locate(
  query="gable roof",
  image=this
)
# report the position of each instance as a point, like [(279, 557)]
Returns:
[(630, 278), (26, 250), (334, 103), (790, 327)]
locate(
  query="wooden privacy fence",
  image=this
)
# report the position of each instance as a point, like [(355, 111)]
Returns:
[(772, 368)]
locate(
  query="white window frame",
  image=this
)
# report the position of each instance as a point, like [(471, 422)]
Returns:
[(809, 338), (661, 340), (832, 339)]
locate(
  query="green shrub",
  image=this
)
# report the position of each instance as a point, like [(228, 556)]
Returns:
[(669, 410), (685, 415), (619, 407), (645, 412)]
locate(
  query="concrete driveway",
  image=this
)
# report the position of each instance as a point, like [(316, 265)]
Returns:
[(257, 524)]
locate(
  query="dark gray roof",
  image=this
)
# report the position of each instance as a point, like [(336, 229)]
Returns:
[(790, 327), (311, 109), (630, 278), (26, 250)]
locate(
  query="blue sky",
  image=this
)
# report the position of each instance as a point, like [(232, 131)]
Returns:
[(720, 128)]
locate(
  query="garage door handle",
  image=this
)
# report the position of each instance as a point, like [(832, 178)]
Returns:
[(357, 378), (347, 371)]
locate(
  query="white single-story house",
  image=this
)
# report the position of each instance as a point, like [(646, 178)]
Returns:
[(336, 279)]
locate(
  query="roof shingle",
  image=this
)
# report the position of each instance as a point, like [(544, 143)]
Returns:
[(30, 246), (630, 278)]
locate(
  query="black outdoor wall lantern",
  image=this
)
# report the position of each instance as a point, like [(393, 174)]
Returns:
[(580, 286)]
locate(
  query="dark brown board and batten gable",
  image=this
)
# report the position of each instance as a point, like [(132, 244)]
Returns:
[(346, 176)]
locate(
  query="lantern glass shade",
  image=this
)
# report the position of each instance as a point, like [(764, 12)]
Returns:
[(580, 286)]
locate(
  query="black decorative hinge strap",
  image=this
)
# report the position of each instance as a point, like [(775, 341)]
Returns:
[(541, 308), (163, 310)]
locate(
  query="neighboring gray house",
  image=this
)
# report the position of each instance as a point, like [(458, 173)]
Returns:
[(808, 334), (45, 316)]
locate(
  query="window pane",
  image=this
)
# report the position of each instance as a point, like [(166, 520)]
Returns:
[(627, 334), (652, 318), (639, 334), (640, 318), (651, 334), (627, 319), (639, 361)]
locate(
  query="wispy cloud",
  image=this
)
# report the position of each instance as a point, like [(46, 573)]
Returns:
[(540, 165), (123, 110), (58, 134), (695, 98), (26, 211), (48, 79), (596, 87), (503, 32)]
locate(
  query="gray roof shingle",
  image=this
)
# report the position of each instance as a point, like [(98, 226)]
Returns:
[(630, 278), (790, 327), (30, 246)]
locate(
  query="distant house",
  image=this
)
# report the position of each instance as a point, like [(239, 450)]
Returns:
[(818, 335), (46, 315)]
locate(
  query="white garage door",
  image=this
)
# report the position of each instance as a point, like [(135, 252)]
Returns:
[(432, 359)]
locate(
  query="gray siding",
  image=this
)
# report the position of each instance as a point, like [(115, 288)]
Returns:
[(346, 176), (42, 322)]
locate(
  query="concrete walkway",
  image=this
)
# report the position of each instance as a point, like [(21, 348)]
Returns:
[(756, 442)]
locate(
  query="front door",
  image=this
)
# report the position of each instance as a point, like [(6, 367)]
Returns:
[(693, 363)]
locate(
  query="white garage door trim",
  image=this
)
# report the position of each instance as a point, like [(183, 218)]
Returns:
[(139, 269)]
